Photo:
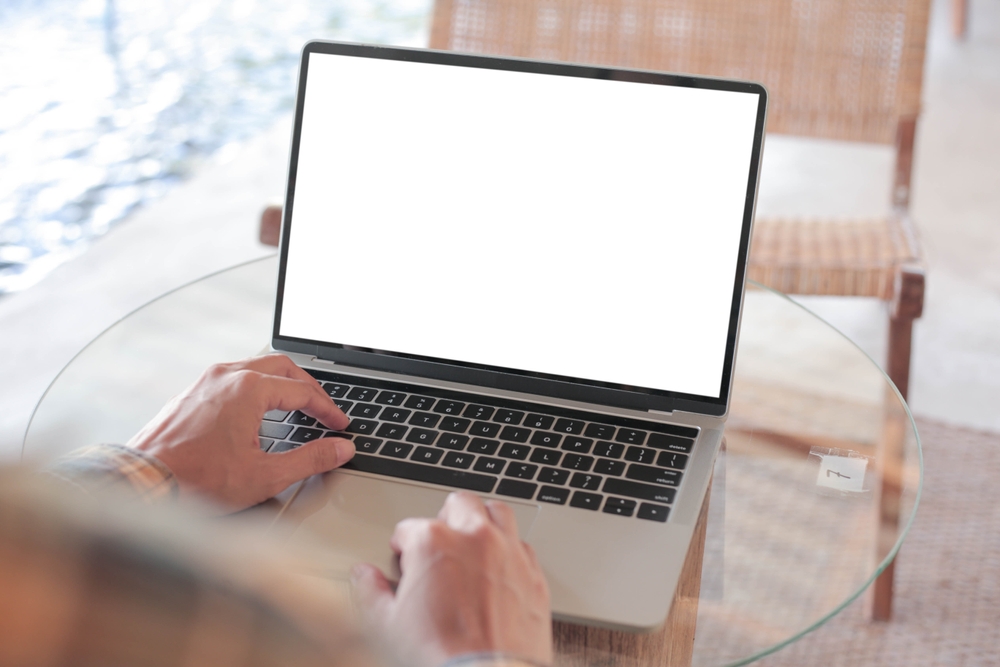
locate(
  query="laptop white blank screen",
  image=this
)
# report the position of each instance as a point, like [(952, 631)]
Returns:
[(576, 227)]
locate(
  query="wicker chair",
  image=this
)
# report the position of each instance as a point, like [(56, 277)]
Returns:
[(837, 70)]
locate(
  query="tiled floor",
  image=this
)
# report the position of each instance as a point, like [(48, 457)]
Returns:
[(209, 223)]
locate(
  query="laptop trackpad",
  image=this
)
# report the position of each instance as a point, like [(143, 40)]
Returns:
[(352, 518)]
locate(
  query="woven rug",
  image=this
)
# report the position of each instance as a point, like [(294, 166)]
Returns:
[(947, 602)]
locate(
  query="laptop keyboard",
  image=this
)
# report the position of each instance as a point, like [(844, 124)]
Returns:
[(617, 465)]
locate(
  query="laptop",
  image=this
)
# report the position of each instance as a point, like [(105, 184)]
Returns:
[(522, 279)]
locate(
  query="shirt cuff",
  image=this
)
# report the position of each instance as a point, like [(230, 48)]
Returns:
[(102, 467)]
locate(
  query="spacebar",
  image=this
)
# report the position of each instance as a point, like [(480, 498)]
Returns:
[(419, 473)]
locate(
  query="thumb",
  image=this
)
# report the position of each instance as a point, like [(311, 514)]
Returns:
[(313, 458), (372, 592)]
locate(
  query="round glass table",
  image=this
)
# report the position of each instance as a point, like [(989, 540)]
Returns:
[(812, 496)]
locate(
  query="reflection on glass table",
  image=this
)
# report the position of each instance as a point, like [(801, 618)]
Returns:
[(811, 497)]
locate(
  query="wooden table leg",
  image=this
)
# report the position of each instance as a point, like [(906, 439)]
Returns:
[(671, 646)]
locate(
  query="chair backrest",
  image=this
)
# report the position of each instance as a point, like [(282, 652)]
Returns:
[(837, 69)]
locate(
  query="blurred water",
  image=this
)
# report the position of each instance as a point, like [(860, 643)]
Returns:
[(106, 103)]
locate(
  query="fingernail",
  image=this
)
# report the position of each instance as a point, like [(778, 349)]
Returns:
[(345, 450)]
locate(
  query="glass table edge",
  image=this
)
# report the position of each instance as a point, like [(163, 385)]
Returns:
[(743, 661), (903, 532), (41, 399)]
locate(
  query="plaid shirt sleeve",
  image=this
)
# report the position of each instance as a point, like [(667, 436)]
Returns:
[(101, 467)]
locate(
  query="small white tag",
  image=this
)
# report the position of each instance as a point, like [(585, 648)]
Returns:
[(844, 473)]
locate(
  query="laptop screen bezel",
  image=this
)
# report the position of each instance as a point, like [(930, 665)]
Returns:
[(576, 389)]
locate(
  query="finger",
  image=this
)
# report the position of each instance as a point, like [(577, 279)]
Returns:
[(532, 556), (312, 458), (463, 511), (372, 591), (288, 394), (407, 534), (503, 516)]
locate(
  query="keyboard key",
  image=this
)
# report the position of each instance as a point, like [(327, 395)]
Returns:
[(672, 460), (343, 405), (672, 442), (512, 451), (366, 410), (546, 456), (284, 446), (484, 429), (458, 460), (599, 431), (424, 419), (335, 389), (553, 494), (365, 394), (276, 431), (486, 464), (390, 398), (454, 424), (394, 431), (446, 407), (516, 488), (474, 411), (577, 445), (483, 446), (621, 487), (422, 436), (397, 415), (640, 454), (275, 415), (612, 450), (577, 462), (419, 402), (301, 419), (304, 434), (366, 444), (589, 501), (521, 470), (655, 475), (582, 480), (397, 450), (539, 421), (265, 444), (514, 433), (609, 467), (452, 441), (630, 436), (553, 476), (427, 455), (362, 426), (512, 417), (422, 473), (619, 506), (653, 512), (573, 426), (543, 439)]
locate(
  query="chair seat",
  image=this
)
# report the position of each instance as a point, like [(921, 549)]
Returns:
[(832, 257)]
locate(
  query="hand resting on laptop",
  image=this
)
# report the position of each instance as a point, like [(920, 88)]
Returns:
[(469, 585), (207, 435)]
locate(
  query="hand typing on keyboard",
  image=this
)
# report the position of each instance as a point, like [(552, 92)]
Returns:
[(468, 585), (208, 434)]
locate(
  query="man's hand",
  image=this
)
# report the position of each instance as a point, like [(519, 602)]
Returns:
[(208, 434), (468, 585)]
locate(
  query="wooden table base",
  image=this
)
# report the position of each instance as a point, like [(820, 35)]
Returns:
[(671, 646)]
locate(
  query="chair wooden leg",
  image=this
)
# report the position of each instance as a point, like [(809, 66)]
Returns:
[(959, 18), (906, 307), (672, 646), (270, 225)]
